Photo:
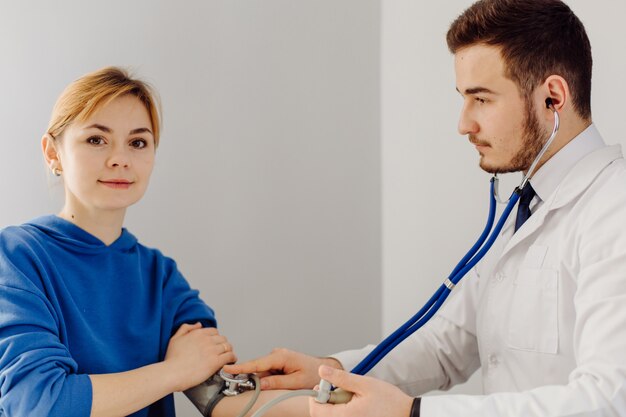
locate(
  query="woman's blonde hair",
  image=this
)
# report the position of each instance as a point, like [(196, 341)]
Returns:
[(84, 96)]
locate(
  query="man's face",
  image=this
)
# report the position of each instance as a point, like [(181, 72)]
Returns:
[(502, 125)]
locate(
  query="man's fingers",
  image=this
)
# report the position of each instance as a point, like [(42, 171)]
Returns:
[(250, 367), (266, 363), (280, 382), (342, 379)]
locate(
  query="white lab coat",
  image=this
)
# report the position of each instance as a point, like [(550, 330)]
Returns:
[(544, 313)]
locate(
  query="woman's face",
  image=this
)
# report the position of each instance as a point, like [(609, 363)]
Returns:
[(106, 161)]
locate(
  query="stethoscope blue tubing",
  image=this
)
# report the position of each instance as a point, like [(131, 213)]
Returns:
[(438, 298)]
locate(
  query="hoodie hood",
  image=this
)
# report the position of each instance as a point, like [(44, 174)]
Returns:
[(72, 237)]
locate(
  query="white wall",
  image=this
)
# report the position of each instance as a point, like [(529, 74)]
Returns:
[(267, 184), (435, 199)]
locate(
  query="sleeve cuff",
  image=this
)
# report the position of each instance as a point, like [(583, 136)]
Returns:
[(75, 398)]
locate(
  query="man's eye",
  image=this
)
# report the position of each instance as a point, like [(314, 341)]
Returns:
[(95, 140), (480, 100), (138, 143)]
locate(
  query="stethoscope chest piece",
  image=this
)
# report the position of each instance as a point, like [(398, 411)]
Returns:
[(236, 384)]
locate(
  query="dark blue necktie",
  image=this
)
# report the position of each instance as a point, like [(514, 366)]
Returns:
[(523, 209)]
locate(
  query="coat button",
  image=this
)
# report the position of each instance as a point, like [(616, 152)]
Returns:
[(493, 360), (499, 277)]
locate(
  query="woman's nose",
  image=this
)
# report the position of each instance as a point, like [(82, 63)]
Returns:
[(119, 158)]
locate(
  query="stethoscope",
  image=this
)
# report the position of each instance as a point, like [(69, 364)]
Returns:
[(475, 254)]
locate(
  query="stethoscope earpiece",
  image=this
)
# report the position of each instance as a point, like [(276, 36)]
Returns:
[(549, 103)]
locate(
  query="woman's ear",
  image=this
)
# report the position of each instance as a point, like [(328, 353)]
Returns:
[(50, 152)]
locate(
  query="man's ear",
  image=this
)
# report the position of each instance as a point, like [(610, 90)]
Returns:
[(557, 90), (50, 152)]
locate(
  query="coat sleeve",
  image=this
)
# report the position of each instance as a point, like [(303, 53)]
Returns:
[(441, 354), (38, 377)]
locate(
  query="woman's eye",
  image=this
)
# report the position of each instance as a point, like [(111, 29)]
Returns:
[(138, 143), (95, 140)]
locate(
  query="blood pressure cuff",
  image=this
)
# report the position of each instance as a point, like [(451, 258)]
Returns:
[(206, 395)]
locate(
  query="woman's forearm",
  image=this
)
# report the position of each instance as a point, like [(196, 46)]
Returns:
[(293, 407), (123, 393)]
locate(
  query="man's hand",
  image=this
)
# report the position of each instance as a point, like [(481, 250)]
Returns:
[(372, 398), (195, 353), (284, 369)]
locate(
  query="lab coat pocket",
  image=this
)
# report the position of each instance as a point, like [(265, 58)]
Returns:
[(533, 319)]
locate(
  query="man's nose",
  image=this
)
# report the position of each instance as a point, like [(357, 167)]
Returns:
[(467, 123)]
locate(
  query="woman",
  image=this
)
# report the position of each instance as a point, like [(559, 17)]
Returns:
[(91, 321)]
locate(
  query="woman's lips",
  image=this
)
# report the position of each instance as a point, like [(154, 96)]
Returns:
[(116, 183)]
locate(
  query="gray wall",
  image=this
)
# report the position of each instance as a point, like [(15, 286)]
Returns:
[(267, 184)]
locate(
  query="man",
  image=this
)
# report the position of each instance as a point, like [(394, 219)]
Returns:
[(544, 313)]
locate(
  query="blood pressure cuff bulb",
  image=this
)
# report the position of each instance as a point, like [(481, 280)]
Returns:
[(206, 395)]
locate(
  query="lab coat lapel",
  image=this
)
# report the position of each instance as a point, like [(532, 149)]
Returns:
[(578, 179)]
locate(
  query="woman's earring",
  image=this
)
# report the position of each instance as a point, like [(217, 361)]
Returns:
[(56, 171)]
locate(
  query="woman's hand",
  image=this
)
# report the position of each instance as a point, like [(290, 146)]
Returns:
[(195, 353)]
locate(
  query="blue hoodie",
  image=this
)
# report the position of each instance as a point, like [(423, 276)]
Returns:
[(71, 306)]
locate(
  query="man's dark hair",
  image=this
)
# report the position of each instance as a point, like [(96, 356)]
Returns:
[(537, 38)]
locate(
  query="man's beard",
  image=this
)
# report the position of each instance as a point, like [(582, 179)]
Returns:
[(533, 140)]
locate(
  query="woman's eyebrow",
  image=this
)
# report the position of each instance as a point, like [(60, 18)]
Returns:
[(109, 130), (141, 130), (99, 127)]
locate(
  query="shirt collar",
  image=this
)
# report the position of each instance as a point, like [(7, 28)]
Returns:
[(550, 175)]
